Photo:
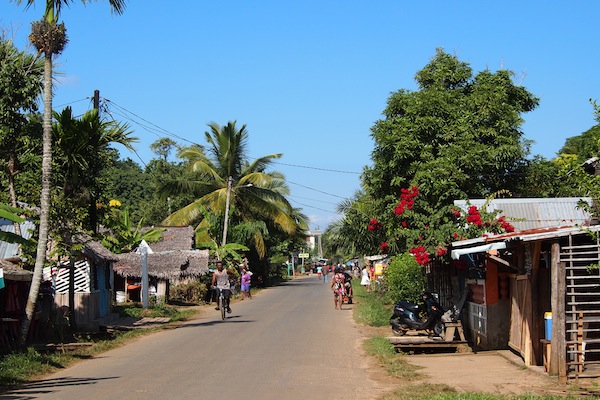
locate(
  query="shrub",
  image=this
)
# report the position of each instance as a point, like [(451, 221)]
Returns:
[(404, 279), (188, 293)]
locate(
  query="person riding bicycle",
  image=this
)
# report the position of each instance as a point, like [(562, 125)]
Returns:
[(220, 281)]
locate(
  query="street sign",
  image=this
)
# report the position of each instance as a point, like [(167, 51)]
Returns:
[(303, 255)]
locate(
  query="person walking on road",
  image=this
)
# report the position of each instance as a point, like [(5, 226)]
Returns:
[(337, 286), (325, 273), (245, 283), (365, 278)]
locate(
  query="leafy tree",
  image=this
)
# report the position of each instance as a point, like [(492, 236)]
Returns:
[(49, 37), (20, 87), (132, 186), (163, 148), (123, 235), (82, 153), (358, 233), (457, 137)]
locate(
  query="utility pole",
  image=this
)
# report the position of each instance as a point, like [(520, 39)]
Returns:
[(229, 180), (97, 101)]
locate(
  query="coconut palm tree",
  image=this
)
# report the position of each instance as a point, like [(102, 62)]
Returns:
[(228, 183), (49, 38), (82, 153)]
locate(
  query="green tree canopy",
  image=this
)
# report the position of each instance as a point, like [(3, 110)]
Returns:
[(457, 137)]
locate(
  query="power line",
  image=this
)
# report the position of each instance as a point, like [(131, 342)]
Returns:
[(307, 198), (152, 127), (316, 208), (317, 168), (72, 102), (316, 190)]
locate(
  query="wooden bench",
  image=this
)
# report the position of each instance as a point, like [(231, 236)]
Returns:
[(454, 329)]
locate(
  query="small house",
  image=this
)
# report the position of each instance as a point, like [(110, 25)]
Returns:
[(173, 260), (534, 291)]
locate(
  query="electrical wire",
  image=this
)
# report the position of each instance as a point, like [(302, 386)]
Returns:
[(316, 190), (316, 208)]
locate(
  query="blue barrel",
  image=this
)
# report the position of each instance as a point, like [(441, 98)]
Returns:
[(548, 325)]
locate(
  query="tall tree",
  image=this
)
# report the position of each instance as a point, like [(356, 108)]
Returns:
[(20, 88), (83, 152), (49, 37), (457, 137), (254, 193)]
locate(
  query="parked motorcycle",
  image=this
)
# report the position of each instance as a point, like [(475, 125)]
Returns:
[(407, 316)]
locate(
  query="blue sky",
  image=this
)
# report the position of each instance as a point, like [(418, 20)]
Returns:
[(310, 78)]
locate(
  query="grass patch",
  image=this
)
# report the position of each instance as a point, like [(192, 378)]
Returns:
[(443, 392), (22, 366), (136, 310), (369, 309), (394, 364)]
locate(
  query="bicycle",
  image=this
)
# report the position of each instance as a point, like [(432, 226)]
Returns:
[(221, 302)]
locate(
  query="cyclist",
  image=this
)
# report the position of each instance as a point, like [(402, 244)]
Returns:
[(220, 281)]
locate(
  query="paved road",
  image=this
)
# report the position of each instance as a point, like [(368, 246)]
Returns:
[(286, 343)]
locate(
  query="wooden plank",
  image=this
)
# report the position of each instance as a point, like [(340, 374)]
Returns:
[(558, 363), (554, 279)]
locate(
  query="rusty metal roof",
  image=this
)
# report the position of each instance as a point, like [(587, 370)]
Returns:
[(533, 213)]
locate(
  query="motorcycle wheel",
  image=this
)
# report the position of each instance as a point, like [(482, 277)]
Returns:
[(398, 332), (439, 328)]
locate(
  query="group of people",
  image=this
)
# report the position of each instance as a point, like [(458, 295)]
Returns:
[(221, 281), (341, 287)]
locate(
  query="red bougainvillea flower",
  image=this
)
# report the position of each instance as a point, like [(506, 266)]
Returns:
[(441, 251), (385, 248), (455, 212), (374, 225), (404, 224), (420, 254), (474, 217), (455, 235), (505, 224), (407, 199)]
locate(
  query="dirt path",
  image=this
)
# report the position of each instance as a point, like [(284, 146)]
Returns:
[(487, 372), (498, 372)]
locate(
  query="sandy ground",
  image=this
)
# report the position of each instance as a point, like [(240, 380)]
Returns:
[(497, 372)]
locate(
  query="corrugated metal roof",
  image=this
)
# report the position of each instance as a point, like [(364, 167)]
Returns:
[(10, 250), (532, 213)]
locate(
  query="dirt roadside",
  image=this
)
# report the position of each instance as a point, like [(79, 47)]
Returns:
[(495, 372)]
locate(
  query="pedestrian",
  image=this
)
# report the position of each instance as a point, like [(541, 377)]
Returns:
[(337, 286), (365, 282), (326, 273), (246, 278), (372, 276), (319, 271)]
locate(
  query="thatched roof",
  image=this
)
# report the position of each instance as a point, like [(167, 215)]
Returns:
[(97, 252), (13, 272), (173, 238), (164, 264)]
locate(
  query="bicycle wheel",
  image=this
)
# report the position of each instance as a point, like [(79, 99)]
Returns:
[(222, 306)]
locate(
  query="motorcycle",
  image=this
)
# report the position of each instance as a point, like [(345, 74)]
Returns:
[(406, 316)]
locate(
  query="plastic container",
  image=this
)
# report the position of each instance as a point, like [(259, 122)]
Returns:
[(121, 297), (548, 325)]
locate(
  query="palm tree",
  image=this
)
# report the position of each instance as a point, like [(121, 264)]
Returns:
[(225, 174), (82, 153), (49, 37)]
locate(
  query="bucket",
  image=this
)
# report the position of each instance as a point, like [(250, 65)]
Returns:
[(121, 297), (548, 325)]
